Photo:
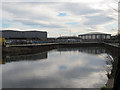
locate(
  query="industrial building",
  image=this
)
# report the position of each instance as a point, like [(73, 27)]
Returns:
[(95, 36), (68, 39), (11, 34)]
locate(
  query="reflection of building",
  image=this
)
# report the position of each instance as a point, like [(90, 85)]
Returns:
[(89, 50), (10, 34), (93, 50), (24, 57), (95, 36)]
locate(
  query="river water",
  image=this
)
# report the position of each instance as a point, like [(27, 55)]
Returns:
[(58, 68)]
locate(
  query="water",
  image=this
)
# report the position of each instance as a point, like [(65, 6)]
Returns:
[(59, 68)]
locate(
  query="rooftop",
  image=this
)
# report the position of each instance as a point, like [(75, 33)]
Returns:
[(21, 31), (94, 33)]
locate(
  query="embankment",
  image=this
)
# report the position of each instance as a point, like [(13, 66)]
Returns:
[(18, 50)]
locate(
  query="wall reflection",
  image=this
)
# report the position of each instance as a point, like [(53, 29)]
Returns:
[(39, 56), (31, 57), (88, 50)]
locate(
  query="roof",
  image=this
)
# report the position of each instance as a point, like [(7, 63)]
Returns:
[(94, 33), (21, 31)]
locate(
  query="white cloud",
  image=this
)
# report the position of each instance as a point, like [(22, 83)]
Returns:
[(44, 16)]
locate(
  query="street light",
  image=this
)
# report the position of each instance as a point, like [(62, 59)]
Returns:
[(119, 23)]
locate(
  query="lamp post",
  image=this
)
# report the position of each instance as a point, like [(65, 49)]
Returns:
[(119, 23)]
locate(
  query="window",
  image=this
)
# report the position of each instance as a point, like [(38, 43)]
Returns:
[(89, 36), (83, 37), (103, 36), (108, 36), (93, 36), (98, 36)]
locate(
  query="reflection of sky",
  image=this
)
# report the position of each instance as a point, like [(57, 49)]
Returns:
[(66, 69), (62, 67)]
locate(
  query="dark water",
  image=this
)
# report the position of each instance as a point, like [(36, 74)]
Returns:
[(59, 68)]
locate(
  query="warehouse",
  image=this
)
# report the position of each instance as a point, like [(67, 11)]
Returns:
[(11, 34)]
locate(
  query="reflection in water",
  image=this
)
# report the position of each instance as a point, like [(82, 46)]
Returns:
[(89, 50), (63, 68), (24, 57)]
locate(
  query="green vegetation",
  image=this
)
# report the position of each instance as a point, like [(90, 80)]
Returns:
[(103, 88)]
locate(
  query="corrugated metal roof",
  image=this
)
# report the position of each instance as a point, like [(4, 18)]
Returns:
[(21, 31)]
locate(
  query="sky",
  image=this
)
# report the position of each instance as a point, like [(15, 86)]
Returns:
[(60, 18)]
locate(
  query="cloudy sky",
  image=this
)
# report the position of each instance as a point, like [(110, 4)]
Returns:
[(60, 18)]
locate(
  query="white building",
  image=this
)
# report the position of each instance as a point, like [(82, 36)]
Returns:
[(93, 36)]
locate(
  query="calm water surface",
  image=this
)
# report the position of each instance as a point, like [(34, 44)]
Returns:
[(60, 68)]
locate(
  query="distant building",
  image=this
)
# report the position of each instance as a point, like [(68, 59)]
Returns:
[(95, 36), (69, 39), (11, 34)]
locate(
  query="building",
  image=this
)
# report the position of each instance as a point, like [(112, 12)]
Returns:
[(11, 34), (68, 39), (95, 36)]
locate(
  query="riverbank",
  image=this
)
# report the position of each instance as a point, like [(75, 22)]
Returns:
[(115, 53), (28, 49)]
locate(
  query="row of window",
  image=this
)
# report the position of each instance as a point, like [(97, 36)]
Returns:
[(95, 37)]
